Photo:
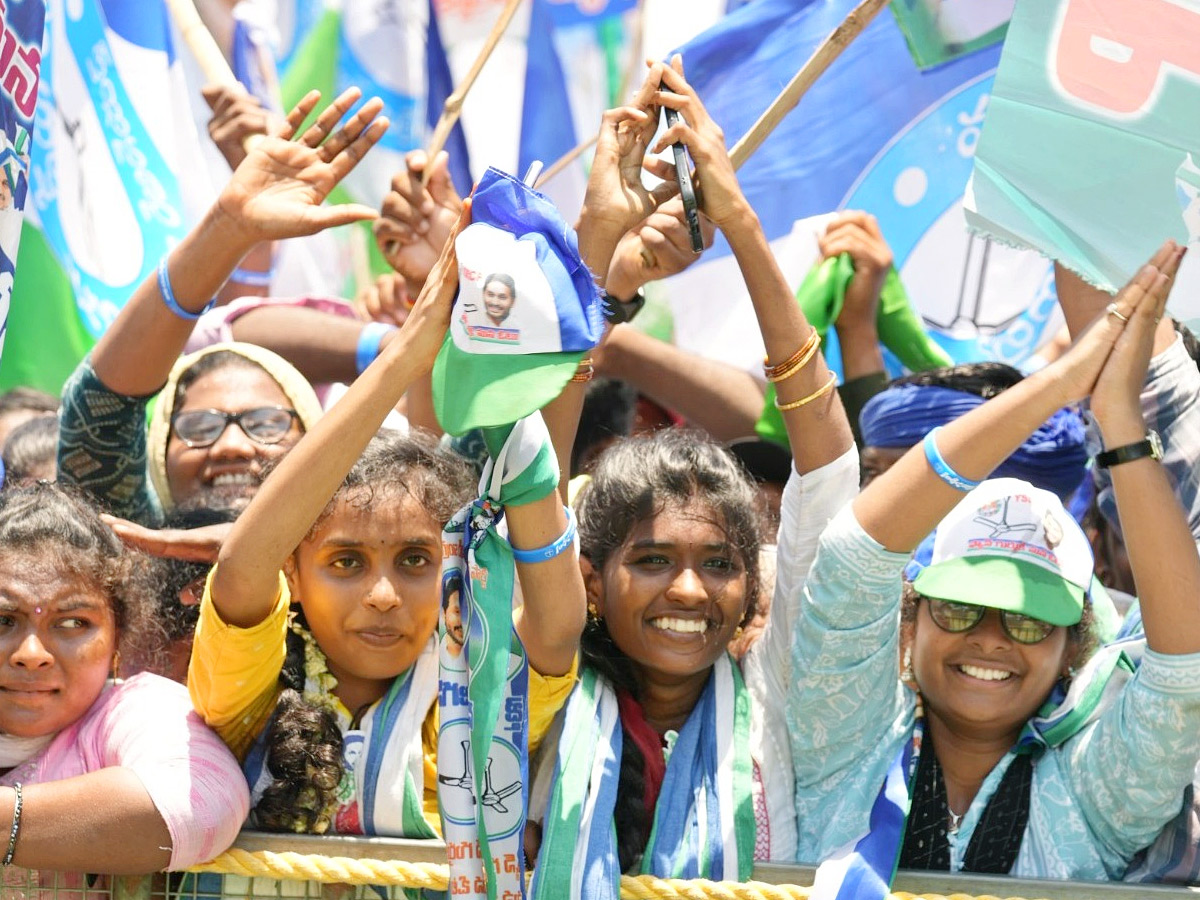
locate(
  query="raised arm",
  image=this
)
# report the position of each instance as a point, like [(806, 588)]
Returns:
[(817, 427), (1162, 551), (973, 445), (275, 193), (290, 500)]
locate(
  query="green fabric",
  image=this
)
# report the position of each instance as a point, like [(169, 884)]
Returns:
[(45, 339), (928, 43), (822, 295)]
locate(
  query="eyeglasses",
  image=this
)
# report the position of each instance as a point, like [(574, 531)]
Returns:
[(204, 427), (959, 617)]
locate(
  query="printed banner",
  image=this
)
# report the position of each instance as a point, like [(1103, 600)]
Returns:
[(112, 134), (1092, 150), (874, 133), (20, 68)]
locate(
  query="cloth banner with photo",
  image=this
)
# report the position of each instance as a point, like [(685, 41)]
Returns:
[(1091, 153), (20, 68)]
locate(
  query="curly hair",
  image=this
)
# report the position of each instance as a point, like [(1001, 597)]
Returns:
[(51, 522), (304, 742), (634, 480)]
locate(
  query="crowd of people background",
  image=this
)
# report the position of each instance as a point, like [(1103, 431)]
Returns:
[(225, 611)]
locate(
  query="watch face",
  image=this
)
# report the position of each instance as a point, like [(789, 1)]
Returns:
[(1156, 447)]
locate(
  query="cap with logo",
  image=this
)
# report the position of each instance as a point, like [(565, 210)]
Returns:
[(495, 369), (1008, 545)]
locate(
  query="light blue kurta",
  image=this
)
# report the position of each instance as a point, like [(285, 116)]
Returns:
[(1095, 801)]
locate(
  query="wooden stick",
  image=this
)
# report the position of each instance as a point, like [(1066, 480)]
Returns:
[(829, 50), (452, 108), (566, 159), (201, 42)]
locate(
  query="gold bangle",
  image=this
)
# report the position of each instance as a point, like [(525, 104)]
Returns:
[(584, 373), (803, 401), (796, 362)]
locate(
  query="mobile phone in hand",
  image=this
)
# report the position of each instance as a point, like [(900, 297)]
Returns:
[(687, 190)]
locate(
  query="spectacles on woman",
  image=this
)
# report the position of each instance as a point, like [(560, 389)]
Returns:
[(959, 617), (204, 427)]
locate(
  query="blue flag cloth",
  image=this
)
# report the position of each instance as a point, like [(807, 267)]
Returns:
[(876, 133), (547, 130), (1109, 91), (440, 86), (21, 61)]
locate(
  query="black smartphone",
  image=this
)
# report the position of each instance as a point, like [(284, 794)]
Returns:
[(687, 190)]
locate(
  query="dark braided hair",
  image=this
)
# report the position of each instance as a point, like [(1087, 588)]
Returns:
[(983, 379), (634, 480), (304, 741)]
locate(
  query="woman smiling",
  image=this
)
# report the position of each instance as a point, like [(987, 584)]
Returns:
[(993, 628)]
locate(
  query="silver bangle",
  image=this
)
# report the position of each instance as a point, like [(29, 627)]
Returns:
[(16, 827)]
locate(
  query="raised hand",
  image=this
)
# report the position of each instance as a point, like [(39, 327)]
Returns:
[(386, 300), (278, 189), (416, 219), (1077, 372), (237, 116), (858, 234), (190, 544), (657, 247), (1116, 395), (616, 199), (426, 325)]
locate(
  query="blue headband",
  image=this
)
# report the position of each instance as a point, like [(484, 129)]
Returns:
[(1053, 458)]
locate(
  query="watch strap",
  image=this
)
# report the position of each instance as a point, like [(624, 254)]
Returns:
[(1151, 446), (618, 310)]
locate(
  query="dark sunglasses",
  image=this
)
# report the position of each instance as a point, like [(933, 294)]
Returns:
[(959, 617), (203, 427)]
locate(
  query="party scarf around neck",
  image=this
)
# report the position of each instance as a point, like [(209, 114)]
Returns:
[(703, 824), (483, 744), (383, 760)]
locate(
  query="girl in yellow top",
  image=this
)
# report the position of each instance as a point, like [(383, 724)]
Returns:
[(345, 552)]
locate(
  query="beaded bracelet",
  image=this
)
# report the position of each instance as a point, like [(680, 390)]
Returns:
[(942, 469), (804, 401), (795, 362), (168, 296), (369, 340), (16, 827), (554, 548)]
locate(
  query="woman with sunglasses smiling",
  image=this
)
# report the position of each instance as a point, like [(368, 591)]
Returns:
[(104, 448), (951, 766)]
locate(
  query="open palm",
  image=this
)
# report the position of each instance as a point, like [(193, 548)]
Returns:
[(278, 190)]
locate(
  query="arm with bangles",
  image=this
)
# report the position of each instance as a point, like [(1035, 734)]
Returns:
[(277, 192)]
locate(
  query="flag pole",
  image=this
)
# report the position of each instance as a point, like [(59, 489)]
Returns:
[(829, 50), (452, 108), (201, 42)]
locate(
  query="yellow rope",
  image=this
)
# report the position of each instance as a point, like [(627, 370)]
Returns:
[(344, 870)]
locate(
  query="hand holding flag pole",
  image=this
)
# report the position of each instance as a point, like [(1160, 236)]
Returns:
[(452, 108)]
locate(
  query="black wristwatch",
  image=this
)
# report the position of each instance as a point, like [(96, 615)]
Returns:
[(1151, 447), (617, 310)]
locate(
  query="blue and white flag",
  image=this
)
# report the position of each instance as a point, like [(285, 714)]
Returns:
[(874, 133), (20, 68), (113, 132)]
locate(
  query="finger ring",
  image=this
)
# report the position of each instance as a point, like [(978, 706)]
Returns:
[(1112, 310)]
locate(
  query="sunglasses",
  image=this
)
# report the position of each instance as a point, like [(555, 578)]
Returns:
[(203, 427), (959, 617)]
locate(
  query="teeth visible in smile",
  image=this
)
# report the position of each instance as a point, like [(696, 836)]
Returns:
[(237, 478), (683, 626), (985, 674)]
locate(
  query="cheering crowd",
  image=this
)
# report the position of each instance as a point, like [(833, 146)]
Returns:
[(954, 624)]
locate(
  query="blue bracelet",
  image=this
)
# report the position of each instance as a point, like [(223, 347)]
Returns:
[(251, 278), (542, 554), (168, 296), (942, 469), (369, 340)]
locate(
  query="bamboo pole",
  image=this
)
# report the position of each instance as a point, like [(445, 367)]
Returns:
[(829, 50), (452, 108), (201, 42)]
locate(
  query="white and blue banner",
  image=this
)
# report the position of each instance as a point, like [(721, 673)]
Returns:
[(112, 134), (20, 68), (874, 133)]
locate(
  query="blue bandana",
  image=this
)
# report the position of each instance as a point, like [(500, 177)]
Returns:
[(1054, 457)]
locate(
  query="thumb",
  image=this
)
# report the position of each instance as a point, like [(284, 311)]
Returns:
[(440, 185)]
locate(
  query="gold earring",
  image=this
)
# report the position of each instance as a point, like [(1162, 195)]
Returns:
[(116, 663), (906, 670), (593, 611)]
